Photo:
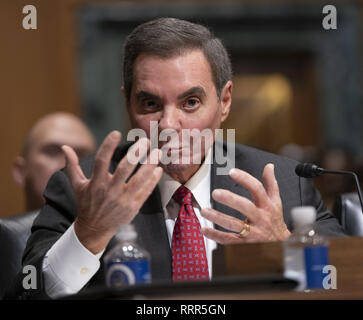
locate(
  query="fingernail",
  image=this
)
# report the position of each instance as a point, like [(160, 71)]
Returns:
[(115, 134), (232, 172), (216, 193)]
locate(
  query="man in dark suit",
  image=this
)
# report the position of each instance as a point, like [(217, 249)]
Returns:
[(177, 74)]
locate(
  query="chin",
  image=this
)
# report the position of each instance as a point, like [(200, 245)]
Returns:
[(177, 168), (176, 164)]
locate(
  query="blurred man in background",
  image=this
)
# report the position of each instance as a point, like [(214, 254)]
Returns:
[(42, 154)]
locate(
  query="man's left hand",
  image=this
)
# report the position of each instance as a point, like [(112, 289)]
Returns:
[(264, 215)]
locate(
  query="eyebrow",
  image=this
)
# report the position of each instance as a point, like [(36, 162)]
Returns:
[(146, 95), (49, 145), (194, 90)]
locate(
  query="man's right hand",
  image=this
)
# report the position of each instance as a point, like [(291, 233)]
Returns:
[(106, 200)]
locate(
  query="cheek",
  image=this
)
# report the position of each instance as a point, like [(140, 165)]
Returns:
[(205, 119), (143, 122), (43, 167)]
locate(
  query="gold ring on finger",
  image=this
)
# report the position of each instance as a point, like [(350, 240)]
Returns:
[(245, 230)]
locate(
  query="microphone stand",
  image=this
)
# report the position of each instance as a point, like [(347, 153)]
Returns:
[(355, 177)]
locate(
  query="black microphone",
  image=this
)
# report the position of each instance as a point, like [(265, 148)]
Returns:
[(310, 170)]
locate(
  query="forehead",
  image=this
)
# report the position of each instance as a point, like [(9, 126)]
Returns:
[(172, 75), (59, 131)]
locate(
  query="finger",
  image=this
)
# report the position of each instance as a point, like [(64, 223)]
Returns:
[(104, 155), (151, 181), (221, 237), (74, 171), (223, 220), (239, 203), (129, 162), (139, 181), (270, 183), (147, 188), (253, 185)]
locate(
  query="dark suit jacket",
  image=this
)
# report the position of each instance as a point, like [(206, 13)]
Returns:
[(60, 210), (14, 232)]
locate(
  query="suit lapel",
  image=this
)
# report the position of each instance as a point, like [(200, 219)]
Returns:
[(152, 236)]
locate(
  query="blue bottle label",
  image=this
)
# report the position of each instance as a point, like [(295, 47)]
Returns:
[(127, 273), (316, 258)]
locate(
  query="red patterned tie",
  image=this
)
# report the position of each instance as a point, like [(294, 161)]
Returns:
[(189, 255)]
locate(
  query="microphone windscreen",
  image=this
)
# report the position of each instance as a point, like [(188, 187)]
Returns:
[(306, 170)]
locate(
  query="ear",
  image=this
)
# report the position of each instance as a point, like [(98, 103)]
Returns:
[(18, 171), (226, 100)]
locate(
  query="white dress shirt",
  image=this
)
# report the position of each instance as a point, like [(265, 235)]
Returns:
[(68, 265)]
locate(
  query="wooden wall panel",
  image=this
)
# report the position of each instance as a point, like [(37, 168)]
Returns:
[(36, 78)]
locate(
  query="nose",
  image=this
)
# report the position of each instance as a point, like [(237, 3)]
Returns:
[(170, 119)]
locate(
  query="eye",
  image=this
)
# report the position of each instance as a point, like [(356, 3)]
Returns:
[(52, 150), (150, 105), (192, 103)]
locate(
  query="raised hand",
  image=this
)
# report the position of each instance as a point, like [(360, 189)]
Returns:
[(264, 215), (106, 200)]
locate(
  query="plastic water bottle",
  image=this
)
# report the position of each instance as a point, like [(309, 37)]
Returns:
[(127, 263), (305, 252)]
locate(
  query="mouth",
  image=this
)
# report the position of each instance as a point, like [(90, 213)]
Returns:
[(172, 146)]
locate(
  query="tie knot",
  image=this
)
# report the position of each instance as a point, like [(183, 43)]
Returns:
[(183, 195)]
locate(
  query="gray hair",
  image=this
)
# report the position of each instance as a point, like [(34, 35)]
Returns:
[(170, 37)]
